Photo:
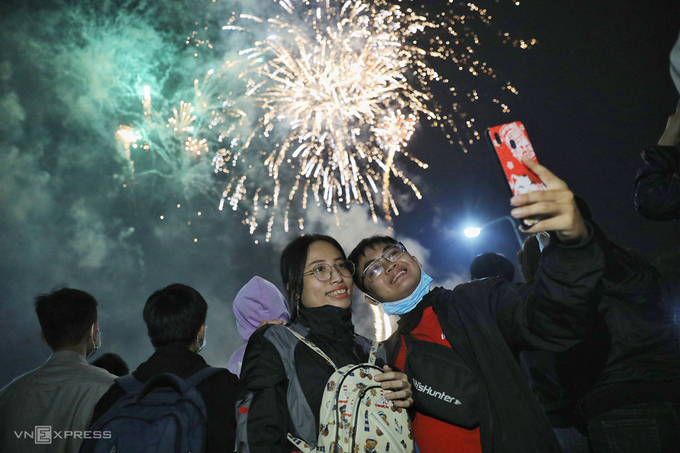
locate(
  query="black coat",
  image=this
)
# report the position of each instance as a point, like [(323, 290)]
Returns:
[(638, 340), (657, 185), (219, 392), (276, 390), (487, 322)]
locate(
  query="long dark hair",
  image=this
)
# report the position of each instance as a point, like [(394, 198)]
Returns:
[(293, 260)]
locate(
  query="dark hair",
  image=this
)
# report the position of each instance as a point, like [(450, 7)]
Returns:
[(492, 265), (66, 316), (528, 257), (174, 314), (293, 260), (113, 363), (360, 250)]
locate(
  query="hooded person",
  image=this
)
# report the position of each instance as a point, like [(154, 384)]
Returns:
[(258, 301)]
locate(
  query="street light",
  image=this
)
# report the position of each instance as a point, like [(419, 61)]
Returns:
[(473, 232)]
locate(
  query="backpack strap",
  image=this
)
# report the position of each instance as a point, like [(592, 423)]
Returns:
[(392, 346), (313, 347), (373, 354)]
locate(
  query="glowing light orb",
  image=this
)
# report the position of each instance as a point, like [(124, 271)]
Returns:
[(472, 232)]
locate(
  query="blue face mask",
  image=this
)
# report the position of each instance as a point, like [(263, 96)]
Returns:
[(205, 332), (408, 303), (543, 240)]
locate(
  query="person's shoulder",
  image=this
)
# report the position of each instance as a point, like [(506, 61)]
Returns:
[(16, 384), (23, 381), (261, 332), (363, 342), (95, 375), (268, 341), (391, 343), (222, 382), (279, 334), (474, 288), (224, 375), (662, 155), (478, 293), (482, 285), (362, 339)]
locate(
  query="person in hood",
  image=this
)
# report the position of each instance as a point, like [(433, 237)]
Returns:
[(284, 379), (257, 302), (675, 64)]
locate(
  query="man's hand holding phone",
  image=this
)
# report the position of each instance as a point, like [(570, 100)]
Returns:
[(555, 207)]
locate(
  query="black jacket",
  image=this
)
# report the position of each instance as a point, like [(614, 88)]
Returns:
[(487, 322), (657, 185), (638, 334), (284, 379), (630, 356), (219, 392)]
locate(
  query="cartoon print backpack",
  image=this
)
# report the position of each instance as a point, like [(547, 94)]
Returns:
[(355, 416), (167, 414)]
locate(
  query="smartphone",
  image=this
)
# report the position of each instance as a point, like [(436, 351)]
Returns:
[(511, 143)]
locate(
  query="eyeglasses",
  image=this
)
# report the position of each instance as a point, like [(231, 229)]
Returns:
[(324, 272), (375, 268)]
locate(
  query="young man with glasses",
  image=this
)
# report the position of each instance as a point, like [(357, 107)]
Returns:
[(458, 346)]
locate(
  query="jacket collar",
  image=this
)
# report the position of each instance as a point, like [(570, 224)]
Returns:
[(327, 320), (409, 321), (174, 358), (67, 356)]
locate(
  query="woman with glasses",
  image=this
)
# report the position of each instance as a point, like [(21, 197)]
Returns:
[(284, 378)]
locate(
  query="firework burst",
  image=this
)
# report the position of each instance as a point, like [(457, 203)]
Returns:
[(341, 87), (334, 91), (178, 147)]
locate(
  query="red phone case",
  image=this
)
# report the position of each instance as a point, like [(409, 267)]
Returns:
[(511, 142)]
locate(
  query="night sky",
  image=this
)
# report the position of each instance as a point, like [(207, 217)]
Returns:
[(593, 92)]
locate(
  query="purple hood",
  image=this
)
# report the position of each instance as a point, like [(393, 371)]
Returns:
[(259, 300)]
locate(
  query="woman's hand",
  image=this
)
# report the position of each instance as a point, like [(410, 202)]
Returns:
[(272, 321), (397, 382)]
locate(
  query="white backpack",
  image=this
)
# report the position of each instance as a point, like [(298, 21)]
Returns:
[(355, 416)]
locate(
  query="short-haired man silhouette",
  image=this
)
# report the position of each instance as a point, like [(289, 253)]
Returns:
[(61, 393), (175, 319)]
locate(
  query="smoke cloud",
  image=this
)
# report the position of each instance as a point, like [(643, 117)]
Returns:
[(75, 212)]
